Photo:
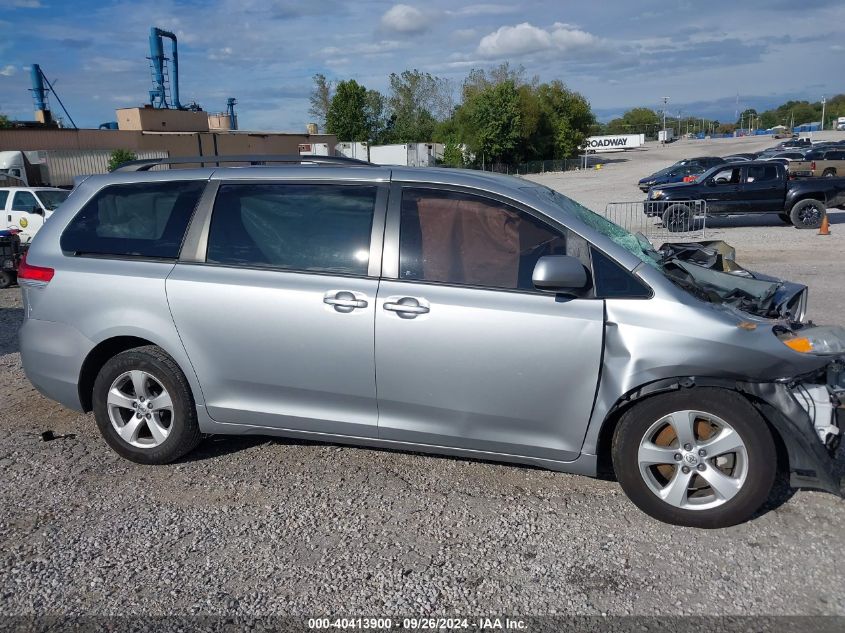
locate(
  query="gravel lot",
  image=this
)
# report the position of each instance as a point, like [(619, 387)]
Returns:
[(262, 526)]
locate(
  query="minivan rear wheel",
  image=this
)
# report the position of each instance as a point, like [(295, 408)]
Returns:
[(698, 457), (144, 407)]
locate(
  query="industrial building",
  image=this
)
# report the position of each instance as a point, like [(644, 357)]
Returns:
[(164, 125)]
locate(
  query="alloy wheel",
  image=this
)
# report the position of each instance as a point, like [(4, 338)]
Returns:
[(140, 409), (693, 460), (809, 215)]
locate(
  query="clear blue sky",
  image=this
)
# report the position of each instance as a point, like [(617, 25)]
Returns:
[(618, 53)]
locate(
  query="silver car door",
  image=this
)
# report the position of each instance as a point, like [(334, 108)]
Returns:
[(277, 316), (468, 354)]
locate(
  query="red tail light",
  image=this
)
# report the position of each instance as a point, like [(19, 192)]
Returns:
[(34, 273), (813, 165)]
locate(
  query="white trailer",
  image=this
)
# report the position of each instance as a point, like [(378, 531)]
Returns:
[(314, 149), (353, 150), (613, 142), (666, 136), (410, 154), (57, 168), (840, 123)]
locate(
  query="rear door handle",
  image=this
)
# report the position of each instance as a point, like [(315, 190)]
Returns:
[(344, 300), (407, 307)]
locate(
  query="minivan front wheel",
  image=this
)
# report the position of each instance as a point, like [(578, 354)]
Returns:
[(697, 457), (144, 408)]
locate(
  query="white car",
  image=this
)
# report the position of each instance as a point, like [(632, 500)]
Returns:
[(27, 208)]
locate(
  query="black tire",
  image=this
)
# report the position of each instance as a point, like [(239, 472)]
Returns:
[(807, 214), (6, 279), (785, 218), (184, 433), (730, 407), (829, 173), (678, 218)]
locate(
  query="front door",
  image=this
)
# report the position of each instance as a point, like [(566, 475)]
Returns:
[(27, 214), (468, 354), (279, 320), (721, 196)]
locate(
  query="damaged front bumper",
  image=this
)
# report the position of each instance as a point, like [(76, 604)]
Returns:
[(709, 271), (809, 415)]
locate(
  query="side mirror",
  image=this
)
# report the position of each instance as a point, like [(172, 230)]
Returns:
[(37, 210), (559, 273)]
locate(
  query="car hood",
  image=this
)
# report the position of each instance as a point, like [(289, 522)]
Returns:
[(709, 271), (677, 186)]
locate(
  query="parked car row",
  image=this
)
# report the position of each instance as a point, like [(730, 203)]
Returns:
[(749, 187), (798, 157)]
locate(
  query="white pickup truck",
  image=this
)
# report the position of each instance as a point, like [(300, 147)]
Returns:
[(27, 208)]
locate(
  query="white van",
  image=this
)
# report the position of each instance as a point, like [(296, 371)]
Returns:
[(27, 208)]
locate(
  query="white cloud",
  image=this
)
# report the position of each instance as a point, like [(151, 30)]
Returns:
[(403, 18), (220, 53), (24, 4), (8, 71), (484, 9), (525, 38), (364, 48)]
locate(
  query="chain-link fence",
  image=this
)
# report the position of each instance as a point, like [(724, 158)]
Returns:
[(660, 220), (540, 166)]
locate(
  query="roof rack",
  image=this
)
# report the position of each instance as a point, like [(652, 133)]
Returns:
[(145, 164)]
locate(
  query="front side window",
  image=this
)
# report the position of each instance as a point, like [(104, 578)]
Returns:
[(728, 176), (25, 201), (463, 239), (312, 228), (139, 220)]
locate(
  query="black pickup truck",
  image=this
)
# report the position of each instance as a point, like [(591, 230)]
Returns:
[(752, 187)]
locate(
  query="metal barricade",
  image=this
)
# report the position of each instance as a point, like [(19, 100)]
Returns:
[(661, 220)]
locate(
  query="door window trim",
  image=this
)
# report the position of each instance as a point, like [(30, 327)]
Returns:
[(195, 246)]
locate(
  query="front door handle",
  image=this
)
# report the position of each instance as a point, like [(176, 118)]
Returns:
[(407, 307), (344, 301)]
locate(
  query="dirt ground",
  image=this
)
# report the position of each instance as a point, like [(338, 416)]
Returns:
[(257, 526)]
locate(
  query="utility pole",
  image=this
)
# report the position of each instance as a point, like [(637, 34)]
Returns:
[(823, 102), (665, 101)]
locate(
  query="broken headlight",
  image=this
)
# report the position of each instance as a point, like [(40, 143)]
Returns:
[(823, 339)]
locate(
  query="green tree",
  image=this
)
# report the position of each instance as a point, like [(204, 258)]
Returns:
[(320, 100), (4, 121), (569, 115), (349, 116), (453, 154), (636, 121), (416, 102), (120, 156), (496, 114)]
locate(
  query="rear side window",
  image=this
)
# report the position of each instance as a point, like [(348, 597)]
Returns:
[(761, 173), (139, 220), (4, 196), (312, 228)]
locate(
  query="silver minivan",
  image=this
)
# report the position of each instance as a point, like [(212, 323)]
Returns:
[(437, 310)]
